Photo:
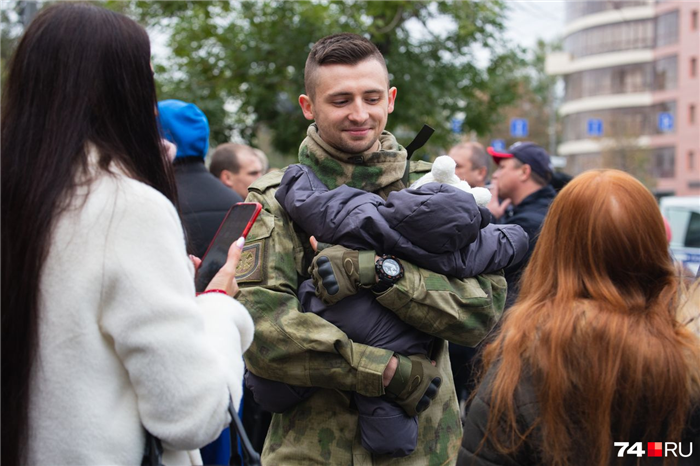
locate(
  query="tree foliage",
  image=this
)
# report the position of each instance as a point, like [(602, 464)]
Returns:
[(11, 20), (538, 100), (242, 62)]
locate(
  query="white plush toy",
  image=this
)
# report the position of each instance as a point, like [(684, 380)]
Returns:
[(443, 171)]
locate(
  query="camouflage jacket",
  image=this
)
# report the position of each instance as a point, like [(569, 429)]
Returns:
[(303, 349)]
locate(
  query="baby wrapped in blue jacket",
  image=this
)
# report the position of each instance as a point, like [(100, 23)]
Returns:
[(438, 226)]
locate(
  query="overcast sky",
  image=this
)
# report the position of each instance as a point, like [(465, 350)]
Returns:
[(531, 20)]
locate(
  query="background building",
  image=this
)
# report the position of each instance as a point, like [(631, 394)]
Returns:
[(630, 70)]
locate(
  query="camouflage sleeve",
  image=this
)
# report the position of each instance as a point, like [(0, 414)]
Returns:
[(462, 311), (291, 346)]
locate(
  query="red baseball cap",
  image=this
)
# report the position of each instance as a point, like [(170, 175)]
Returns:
[(528, 153)]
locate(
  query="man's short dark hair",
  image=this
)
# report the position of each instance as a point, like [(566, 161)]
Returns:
[(338, 49), (225, 157), (542, 181)]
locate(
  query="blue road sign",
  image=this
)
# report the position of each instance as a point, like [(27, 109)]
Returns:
[(457, 125), (498, 145), (595, 127), (665, 122), (518, 127)]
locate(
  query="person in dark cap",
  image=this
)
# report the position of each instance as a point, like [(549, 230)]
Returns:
[(522, 181), (204, 201)]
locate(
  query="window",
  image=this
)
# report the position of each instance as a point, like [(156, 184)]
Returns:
[(621, 122), (692, 235), (694, 20), (691, 114), (693, 67), (667, 29), (615, 37), (666, 73), (576, 10), (664, 162), (691, 160), (685, 225)]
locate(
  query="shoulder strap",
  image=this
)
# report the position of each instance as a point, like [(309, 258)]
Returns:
[(418, 142), (268, 180), (250, 456)]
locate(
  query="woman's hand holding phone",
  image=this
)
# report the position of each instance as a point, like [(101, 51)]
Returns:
[(225, 278), (235, 226)]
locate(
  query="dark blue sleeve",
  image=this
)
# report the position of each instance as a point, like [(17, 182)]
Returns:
[(436, 217), (274, 396), (360, 220), (345, 215), (495, 247)]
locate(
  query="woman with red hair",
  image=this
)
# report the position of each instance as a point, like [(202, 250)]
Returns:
[(593, 352)]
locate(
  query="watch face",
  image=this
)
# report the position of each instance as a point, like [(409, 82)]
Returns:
[(391, 267)]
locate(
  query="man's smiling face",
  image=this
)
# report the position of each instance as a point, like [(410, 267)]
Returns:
[(351, 105)]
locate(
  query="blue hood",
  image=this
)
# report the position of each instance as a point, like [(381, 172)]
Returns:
[(186, 126)]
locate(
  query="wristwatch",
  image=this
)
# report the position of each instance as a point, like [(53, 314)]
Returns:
[(389, 271)]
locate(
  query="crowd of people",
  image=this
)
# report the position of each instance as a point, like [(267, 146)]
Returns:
[(376, 313)]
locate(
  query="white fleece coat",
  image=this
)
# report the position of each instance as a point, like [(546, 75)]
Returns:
[(123, 342)]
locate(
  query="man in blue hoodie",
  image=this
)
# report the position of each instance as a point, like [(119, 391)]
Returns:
[(204, 200)]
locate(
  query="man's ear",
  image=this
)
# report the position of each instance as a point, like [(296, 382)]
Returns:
[(527, 171), (483, 171), (392, 99), (307, 106), (226, 177)]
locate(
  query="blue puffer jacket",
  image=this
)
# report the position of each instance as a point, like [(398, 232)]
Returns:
[(437, 226)]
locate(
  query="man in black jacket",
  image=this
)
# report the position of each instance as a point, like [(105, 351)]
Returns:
[(204, 200), (521, 180)]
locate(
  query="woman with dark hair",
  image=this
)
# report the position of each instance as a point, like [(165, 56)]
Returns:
[(102, 336), (593, 352)]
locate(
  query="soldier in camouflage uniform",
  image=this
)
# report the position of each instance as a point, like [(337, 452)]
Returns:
[(349, 98)]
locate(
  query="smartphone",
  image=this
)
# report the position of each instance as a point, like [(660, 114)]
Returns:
[(238, 222)]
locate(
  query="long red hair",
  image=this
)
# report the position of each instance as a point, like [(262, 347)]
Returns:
[(595, 328)]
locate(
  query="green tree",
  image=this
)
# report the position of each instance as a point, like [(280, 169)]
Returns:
[(538, 100), (11, 15), (242, 62)]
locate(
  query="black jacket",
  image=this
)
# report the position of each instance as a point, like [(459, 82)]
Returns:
[(529, 214), (204, 201), (527, 411)]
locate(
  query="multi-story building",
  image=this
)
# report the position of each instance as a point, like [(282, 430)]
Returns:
[(632, 90)]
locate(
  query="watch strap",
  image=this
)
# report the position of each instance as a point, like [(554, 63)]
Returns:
[(381, 286), (367, 272)]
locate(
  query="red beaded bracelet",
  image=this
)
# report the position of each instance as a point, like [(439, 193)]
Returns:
[(212, 291)]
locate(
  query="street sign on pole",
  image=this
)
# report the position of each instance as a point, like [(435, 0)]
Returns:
[(518, 127), (665, 122), (499, 145), (457, 125), (595, 127)]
